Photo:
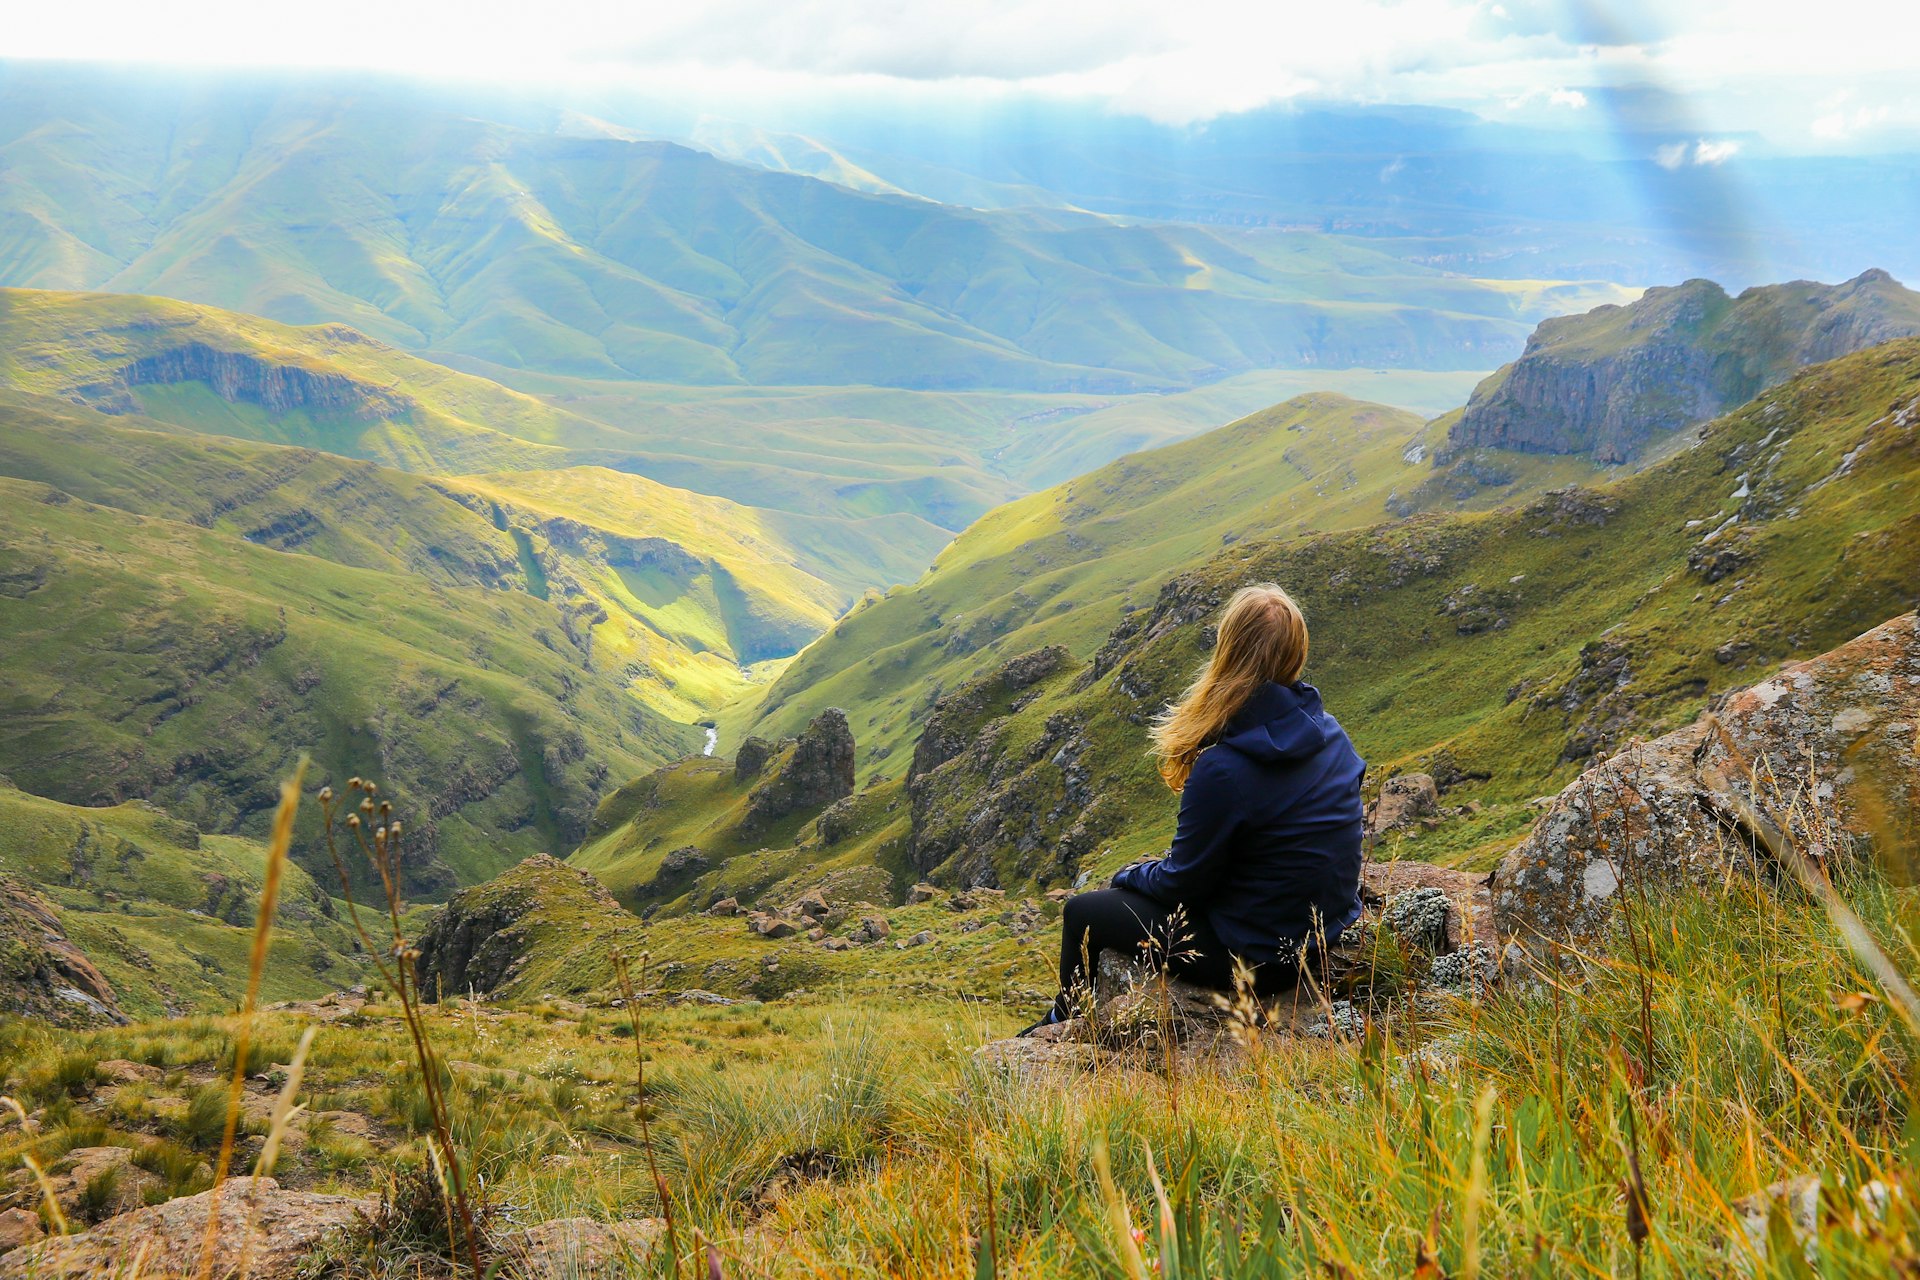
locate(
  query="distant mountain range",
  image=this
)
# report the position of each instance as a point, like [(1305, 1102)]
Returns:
[(494, 245)]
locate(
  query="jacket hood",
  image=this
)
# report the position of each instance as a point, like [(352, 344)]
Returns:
[(1279, 722)]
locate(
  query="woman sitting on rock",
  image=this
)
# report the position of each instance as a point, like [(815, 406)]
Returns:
[(1266, 857)]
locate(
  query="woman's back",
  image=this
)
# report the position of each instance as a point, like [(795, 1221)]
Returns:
[(1268, 845)]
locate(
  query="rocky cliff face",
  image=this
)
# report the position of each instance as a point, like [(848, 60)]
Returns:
[(42, 974), (817, 772), (240, 378), (1613, 381)]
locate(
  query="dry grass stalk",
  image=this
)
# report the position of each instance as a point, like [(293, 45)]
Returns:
[(277, 847), (376, 832), (640, 1106)]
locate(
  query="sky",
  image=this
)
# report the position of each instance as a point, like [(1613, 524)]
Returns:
[(1834, 75)]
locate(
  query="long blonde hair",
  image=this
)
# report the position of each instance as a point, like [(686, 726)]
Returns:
[(1263, 638)]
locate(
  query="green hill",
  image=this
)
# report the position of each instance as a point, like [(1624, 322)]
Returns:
[(165, 912), (151, 658), (1499, 650), (1063, 566)]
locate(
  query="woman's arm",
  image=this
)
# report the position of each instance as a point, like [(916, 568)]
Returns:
[(1197, 862)]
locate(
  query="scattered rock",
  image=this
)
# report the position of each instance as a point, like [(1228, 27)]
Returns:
[(919, 939), (725, 907), (922, 892), (812, 906), (871, 929), (686, 858), (836, 944), (695, 995), (94, 1183), (120, 1071), (751, 758), (1404, 799), (581, 1249), (274, 1230), (18, 1228), (331, 1007), (768, 925), (1833, 743)]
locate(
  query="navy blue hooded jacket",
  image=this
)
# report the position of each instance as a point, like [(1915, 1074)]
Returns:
[(1269, 830)]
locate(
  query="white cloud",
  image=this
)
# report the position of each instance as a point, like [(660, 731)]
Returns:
[(1741, 64), (1715, 152), (1705, 152)]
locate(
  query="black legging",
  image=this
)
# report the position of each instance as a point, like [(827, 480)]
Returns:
[(1124, 921)]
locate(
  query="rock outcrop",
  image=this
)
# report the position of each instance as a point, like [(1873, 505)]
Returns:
[(1610, 382), (42, 973), (540, 912), (1404, 799), (268, 1231), (814, 773), (240, 377), (1822, 755), (971, 795)]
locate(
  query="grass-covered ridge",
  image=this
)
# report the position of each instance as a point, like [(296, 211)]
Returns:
[(150, 658), (1063, 566), (165, 911), (1500, 649), (854, 1129)]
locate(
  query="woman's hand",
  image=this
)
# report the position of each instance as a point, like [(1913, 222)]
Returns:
[(1123, 875)]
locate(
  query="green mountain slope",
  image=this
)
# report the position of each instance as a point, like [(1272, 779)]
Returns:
[(1499, 650), (1064, 565), (613, 258), (152, 658), (674, 592), (167, 913)]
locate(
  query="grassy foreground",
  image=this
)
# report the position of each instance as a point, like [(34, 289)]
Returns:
[(851, 1134)]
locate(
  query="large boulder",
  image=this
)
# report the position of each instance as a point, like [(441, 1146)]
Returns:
[(268, 1231), (1820, 756), (814, 773)]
